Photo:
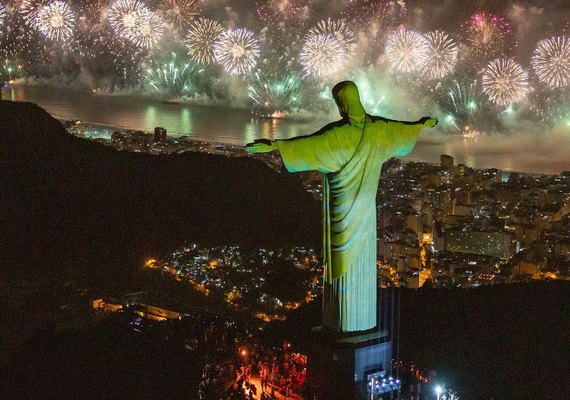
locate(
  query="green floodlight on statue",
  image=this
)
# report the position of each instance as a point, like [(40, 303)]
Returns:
[(350, 153)]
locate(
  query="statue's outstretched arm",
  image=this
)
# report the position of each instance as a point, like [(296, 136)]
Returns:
[(425, 122), (428, 122), (314, 152), (261, 146), (266, 145), (405, 134)]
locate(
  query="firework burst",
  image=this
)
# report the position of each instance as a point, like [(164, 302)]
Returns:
[(200, 40), (148, 30), (124, 15), (274, 93), (237, 51), (487, 35), (322, 55), (442, 56), (551, 61), (339, 30), (56, 21), (179, 13), (2, 13), (505, 82), (30, 9), (468, 109), (407, 50), (551, 105), (11, 69), (328, 48), (171, 77)]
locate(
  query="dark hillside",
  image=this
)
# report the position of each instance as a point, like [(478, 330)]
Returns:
[(502, 342), (102, 363), (76, 207)]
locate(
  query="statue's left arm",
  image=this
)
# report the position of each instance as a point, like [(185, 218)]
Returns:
[(405, 134)]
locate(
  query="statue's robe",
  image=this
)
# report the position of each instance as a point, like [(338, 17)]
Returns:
[(350, 153)]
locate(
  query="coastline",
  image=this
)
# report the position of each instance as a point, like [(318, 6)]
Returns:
[(525, 151), (178, 144)]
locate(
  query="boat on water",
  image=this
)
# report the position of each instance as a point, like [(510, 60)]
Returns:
[(170, 101)]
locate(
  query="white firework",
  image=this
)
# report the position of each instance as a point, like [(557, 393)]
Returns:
[(200, 40), (56, 21), (148, 30), (551, 61), (237, 51), (407, 51), (505, 82), (442, 55), (124, 15), (337, 29), (2, 14), (30, 9), (328, 48), (322, 55)]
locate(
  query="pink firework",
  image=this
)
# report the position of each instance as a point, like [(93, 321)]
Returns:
[(488, 36)]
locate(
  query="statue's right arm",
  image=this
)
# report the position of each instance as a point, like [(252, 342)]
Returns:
[(266, 145), (261, 146), (304, 153), (320, 151)]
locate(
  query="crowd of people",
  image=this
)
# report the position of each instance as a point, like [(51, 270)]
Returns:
[(277, 371), (284, 375)]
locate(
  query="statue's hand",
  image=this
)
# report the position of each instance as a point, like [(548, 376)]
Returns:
[(261, 146), (428, 122)]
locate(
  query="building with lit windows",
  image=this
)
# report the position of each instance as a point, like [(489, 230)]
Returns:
[(488, 243)]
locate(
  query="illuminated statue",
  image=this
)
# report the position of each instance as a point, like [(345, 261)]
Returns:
[(350, 153)]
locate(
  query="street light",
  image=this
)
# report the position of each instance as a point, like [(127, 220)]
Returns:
[(438, 390)]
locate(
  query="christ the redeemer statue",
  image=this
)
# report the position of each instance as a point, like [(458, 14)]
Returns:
[(350, 154)]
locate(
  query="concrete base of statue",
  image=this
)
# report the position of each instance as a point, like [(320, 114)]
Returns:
[(340, 366)]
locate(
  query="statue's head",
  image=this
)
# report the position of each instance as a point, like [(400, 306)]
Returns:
[(347, 99)]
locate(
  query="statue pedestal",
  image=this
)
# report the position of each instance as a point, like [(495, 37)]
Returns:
[(339, 367)]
